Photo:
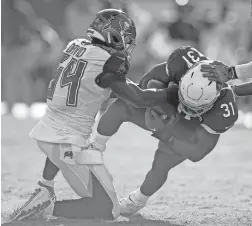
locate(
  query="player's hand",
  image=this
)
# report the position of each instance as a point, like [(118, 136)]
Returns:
[(154, 120), (118, 63), (173, 119), (217, 71), (163, 126)]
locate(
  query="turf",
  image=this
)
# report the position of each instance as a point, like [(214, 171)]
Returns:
[(215, 191)]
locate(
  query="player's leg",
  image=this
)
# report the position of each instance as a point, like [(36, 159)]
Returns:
[(99, 206), (50, 170), (112, 119), (91, 182), (43, 195), (164, 161), (41, 199)]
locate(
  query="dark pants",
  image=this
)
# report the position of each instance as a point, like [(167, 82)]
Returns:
[(99, 206)]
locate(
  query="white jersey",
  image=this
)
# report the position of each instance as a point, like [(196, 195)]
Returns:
[(74, 98)]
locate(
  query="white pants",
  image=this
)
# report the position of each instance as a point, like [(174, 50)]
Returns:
[(79, 176)]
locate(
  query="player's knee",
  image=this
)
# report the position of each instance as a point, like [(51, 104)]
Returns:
[(198, 156), (195, 159), (117, 113)]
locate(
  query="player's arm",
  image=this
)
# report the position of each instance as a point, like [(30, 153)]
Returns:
[(131, 93), (219, 72), (114, 76), (243, 89), (242, 71)]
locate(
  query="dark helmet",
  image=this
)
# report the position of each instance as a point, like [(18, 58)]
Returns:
[(115, 28)]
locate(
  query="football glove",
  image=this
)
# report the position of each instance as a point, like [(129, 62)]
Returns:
[(154, 121), (164, 131), (218, 72)]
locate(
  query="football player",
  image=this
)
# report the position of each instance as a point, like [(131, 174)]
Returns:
[(188, 127), (87, 73), (217, 72)]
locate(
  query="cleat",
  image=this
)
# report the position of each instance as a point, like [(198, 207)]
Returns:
[(131, 205), (40, 200)]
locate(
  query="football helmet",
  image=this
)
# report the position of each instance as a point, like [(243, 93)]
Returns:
[(115, 28), (196, 93)]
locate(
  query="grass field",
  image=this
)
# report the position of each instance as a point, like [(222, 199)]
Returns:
[(215, 191)]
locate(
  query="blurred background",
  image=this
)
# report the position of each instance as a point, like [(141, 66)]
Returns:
[(34, 32)]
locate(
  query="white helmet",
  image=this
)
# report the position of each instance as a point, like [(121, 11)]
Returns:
[(196, 93)]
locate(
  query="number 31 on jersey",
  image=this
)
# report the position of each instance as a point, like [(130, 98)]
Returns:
[(192, 56), (229, 109)]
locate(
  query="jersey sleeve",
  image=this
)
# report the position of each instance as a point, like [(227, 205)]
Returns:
[(223, 115), (114, 69), (181, 60)]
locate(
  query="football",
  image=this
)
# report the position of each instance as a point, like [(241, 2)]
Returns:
[(168, 108), (156, 84)]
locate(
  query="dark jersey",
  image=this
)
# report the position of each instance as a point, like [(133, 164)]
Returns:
[(181, 60), (224, 112), (177, 65)]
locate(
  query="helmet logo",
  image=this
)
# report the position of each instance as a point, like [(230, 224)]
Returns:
[(124, 25), (192, 95)]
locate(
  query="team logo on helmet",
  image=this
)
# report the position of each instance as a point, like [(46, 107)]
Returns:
[(192, 96), (124, 25)]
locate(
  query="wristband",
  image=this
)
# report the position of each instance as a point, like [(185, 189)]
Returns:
[(232, 72)]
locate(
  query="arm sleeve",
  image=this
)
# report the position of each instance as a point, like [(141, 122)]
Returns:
[(244, 71), (243, 89)]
